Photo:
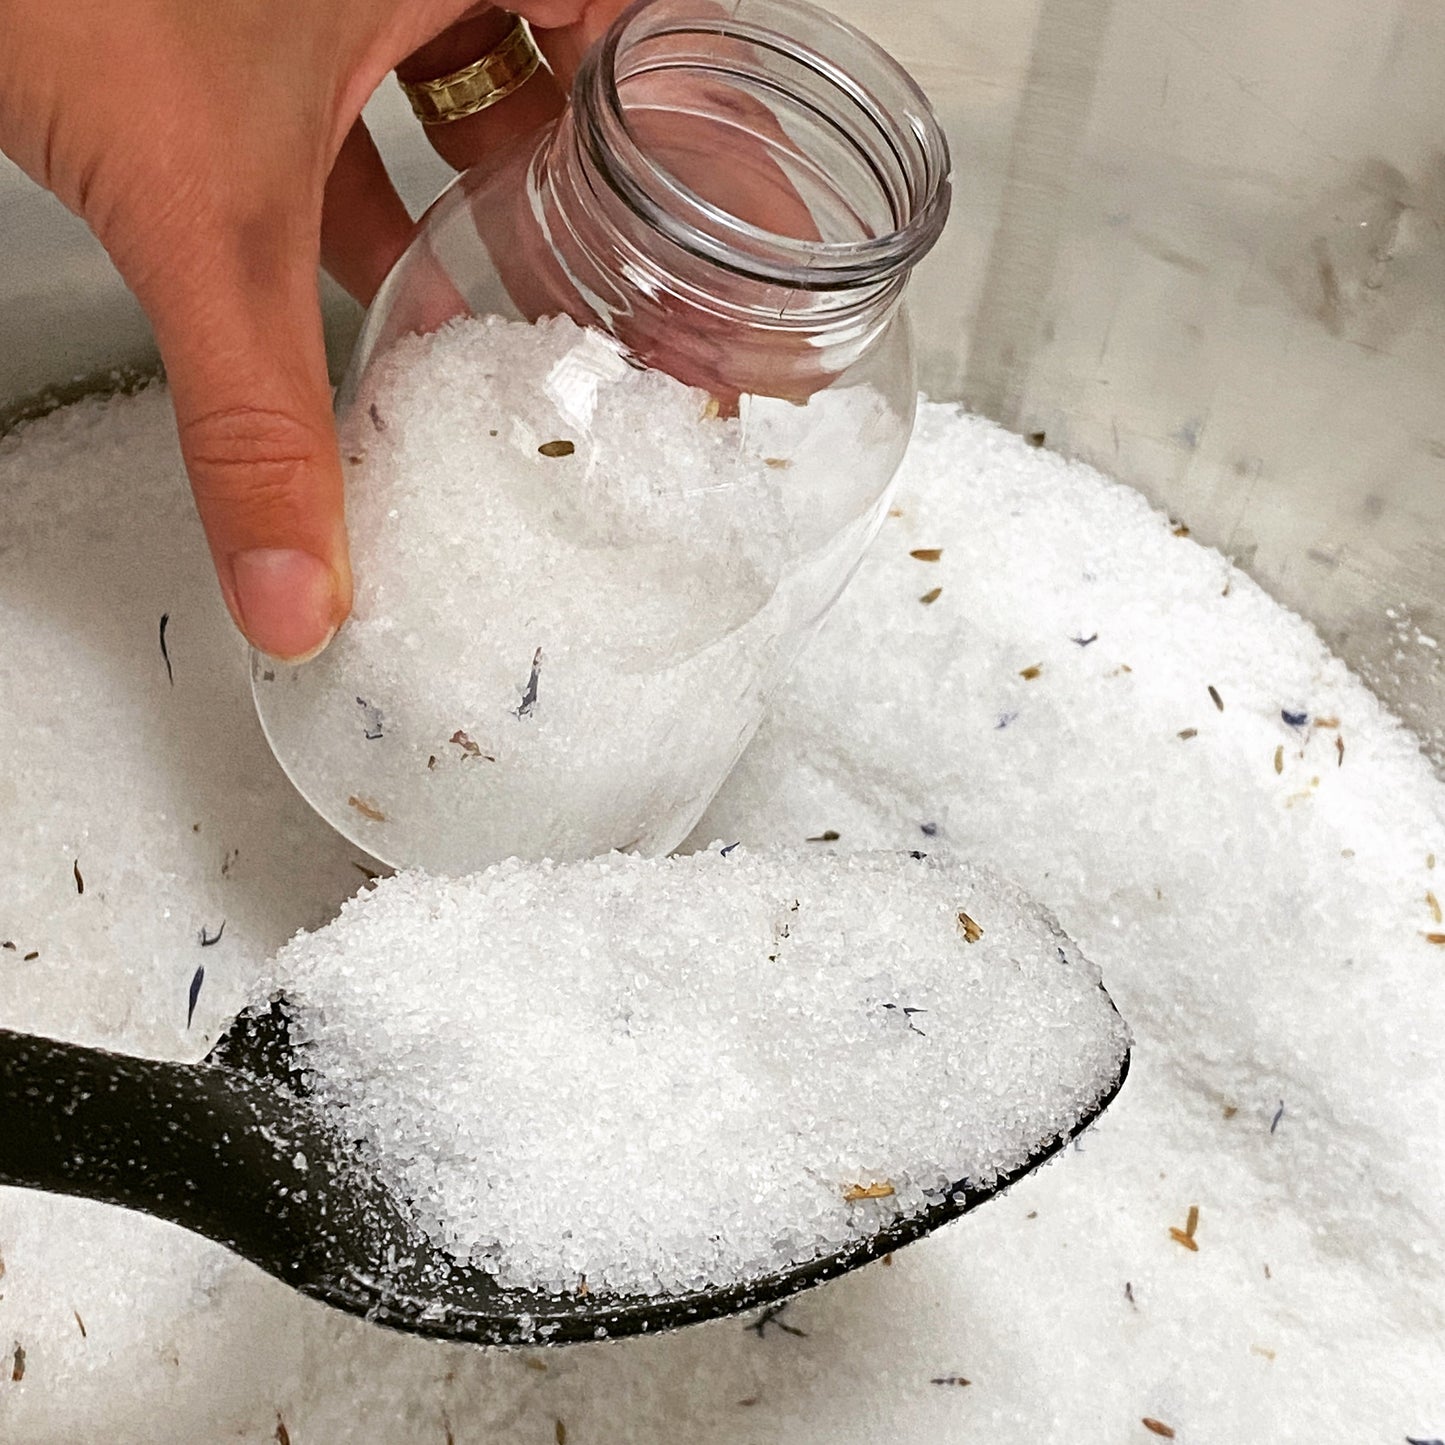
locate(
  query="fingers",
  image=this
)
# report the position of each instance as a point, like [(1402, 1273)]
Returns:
[(564, 45), (461, 143), (364, 225), (238, 321)]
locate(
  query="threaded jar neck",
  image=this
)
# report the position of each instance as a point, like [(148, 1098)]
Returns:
[(765, 137)]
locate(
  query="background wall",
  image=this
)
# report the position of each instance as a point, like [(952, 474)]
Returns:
[(1200, 243)]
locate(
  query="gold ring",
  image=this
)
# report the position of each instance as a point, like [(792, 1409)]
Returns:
[(508, 66)]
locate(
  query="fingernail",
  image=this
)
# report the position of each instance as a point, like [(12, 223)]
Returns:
[(287, 601)]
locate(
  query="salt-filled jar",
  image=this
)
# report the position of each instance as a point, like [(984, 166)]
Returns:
[(620, 425)]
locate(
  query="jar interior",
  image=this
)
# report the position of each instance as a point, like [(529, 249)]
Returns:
[(795, 169), (836, 171)]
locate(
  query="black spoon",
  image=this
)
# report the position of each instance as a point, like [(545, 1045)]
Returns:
[(232, 1149)]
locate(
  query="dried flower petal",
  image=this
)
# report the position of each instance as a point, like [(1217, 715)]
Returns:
[(194, 992), (528, 705), (1185, 1236), (165, 651), (855, 1192), (470, 748)]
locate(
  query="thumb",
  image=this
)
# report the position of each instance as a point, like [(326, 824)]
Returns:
[(238, 322)]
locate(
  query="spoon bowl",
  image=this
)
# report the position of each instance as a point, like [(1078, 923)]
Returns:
[(233, 1149)]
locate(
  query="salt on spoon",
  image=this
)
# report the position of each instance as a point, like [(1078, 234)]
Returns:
[(549, 1103)]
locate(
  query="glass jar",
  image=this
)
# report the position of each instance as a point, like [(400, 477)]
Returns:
[(619, 426)]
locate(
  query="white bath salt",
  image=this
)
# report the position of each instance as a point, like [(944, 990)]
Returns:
[(138, 811), (572, 579), (1266, 937), (656, 1076)]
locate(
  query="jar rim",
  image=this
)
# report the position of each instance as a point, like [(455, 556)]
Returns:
[(871, 88)]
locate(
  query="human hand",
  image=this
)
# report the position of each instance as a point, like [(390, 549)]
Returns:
[(217, 152)]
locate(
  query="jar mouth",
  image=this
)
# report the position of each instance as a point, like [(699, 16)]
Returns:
[(838, 170)]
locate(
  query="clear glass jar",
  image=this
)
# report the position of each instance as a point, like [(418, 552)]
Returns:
[(619, 427)]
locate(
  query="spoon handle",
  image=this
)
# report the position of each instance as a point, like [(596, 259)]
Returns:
[(203, 1147)]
